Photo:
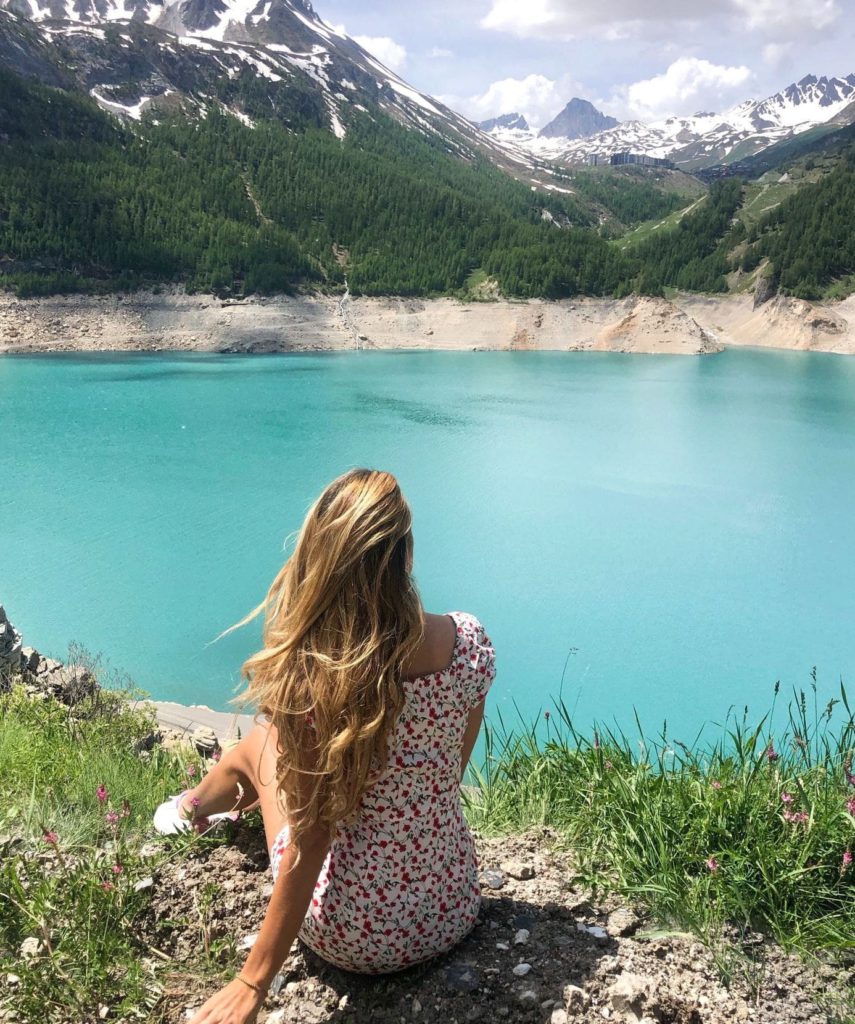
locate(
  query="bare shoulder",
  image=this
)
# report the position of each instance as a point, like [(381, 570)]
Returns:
[(440, 626), (437, 647)]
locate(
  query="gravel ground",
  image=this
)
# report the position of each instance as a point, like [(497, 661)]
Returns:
[(541, 951)]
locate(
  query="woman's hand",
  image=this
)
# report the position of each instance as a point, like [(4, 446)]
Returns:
[(235, 1004)]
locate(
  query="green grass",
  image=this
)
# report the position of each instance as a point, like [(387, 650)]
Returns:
[(701, 837), (71, 860), (841, 289), (51, 763), (479, 286), (654, 227)]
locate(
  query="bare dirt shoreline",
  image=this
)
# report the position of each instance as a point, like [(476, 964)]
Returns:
[(174, 321)]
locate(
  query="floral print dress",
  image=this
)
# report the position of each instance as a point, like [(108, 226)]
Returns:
[(400, 882)]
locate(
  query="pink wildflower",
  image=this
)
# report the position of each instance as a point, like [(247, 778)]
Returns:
[(715, 784), (111, 817), (847, 861), (850, 806), (217, 754), (102, 794), (772, 755), (796, 817), (107, 886), (194, 802), (117, 869), (713, 865), (786, 798), (51, 838), (191, 771), (608, 765)]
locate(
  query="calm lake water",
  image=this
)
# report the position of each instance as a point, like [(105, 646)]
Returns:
[(674, 534)]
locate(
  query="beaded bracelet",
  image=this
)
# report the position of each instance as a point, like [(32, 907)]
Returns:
[(256, 988)]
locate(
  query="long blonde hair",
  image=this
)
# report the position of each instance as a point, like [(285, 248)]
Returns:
[(340, 620)]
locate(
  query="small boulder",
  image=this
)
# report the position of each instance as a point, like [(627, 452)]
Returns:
[(628, 996), (30, 947), (204, 739), (518, 869), (462, 978), (576, 1000), (528, 998), (492, 879), (622, 922), (74, 684), (31, 660)]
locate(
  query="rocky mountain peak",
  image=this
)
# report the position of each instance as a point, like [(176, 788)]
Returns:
[(580, 119), (514, 121)]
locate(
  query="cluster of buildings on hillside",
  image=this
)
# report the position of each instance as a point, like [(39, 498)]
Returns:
[(621, 159)]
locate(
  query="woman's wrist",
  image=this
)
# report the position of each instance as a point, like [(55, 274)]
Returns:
[(256, 978), (252, 986)]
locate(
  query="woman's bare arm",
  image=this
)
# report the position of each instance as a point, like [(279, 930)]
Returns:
[(238, 1003), (473, 727)]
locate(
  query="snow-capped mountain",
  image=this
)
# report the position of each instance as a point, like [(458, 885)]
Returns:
[(514, 122), (136, 56), (705, 139)]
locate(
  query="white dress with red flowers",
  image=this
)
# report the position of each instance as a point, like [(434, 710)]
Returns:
[(400, 882)]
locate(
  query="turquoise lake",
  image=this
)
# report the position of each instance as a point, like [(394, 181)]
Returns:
[(672, 534)]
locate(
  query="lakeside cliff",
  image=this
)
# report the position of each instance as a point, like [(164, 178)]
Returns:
[(175, 321)]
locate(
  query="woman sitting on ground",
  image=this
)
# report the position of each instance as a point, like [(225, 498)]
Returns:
[(370, 708)]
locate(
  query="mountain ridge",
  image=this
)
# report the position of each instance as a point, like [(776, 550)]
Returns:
[(131, 55), (703, 139)]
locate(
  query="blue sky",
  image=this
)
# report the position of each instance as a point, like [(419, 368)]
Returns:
[(634, 58)]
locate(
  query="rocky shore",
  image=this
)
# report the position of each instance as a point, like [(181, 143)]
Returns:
[(43, 677), (174, 321), (545, 947), (200, 727)]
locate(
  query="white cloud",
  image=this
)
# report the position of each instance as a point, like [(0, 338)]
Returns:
[(688, 85), (569, 19), (789, 16), (440, 53), (776, 54), (536, 97), (385, 49)]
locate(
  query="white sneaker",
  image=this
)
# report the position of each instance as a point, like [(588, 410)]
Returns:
[(169, 821)]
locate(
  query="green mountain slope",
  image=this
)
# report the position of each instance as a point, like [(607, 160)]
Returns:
[(809, 239), (795, 225), (88, 203), (246, 190)]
